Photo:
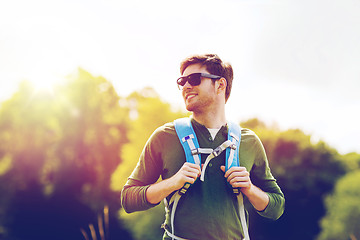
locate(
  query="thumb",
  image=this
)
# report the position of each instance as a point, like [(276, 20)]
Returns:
[(222, 168)]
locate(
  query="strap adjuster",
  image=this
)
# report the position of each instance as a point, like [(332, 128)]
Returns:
[(217, 151), (195, 151)]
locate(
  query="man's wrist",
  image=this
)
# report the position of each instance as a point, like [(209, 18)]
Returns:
[(248, 191), (158, 191), (257, 197)]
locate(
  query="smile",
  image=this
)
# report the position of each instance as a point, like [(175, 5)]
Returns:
[(189, 96)]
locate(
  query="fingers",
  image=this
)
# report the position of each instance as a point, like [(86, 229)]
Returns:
[(190, 168), (235, 170), (188, 173), (239, 182), (237, 177)]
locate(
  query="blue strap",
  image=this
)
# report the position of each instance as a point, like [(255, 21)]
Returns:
[(234, 134), (190, 144), (187, 138), (186, 133)]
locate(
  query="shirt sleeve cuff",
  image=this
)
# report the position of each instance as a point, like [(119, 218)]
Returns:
[(273, 210), (147, 203)]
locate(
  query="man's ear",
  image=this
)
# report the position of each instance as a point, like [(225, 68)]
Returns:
[(222, 84)]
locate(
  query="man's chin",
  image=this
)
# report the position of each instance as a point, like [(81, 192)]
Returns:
[(189, 107)]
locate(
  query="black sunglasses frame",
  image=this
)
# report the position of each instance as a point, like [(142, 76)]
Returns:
[(194, 79)]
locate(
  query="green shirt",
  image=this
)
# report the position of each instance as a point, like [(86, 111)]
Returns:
[(209, 209)]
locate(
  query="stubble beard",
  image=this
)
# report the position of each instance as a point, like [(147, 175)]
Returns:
[(198, 106)]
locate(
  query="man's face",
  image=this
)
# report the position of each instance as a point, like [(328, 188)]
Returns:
[(198, 98)]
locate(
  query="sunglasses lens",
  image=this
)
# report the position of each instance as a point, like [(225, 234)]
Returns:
[(194, 79), (181, 81)]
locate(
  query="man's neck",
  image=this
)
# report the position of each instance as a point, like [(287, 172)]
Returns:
[(210, 119)]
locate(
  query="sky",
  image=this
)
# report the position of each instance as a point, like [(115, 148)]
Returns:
[(296, 62)]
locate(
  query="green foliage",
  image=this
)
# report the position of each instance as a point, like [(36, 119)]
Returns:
[(57, 153), (148, 113), (66, 154), (5, 164), (26, 132), (352, 161), (343, 210), (306, 171), (94, 130)]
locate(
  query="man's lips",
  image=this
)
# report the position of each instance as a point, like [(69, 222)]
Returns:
[(189, 95)]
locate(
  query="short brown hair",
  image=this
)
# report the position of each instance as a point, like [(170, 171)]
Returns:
[(214, 65)]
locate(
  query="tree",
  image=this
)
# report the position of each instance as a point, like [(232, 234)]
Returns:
[(148, 112), (59, 150), (342, 220), (306, 171)]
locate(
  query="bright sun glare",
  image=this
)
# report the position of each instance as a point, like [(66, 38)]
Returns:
[(44, 82)]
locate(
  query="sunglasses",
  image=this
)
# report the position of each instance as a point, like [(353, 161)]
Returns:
[(194, 79)]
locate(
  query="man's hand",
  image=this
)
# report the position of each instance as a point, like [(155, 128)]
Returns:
[(240, 177), (188, 173)]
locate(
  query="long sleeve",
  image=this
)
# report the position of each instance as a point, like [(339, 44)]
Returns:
[(133, 197), (262, 177), (147, 172)]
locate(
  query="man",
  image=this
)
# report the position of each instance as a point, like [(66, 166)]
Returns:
[(209, 209)]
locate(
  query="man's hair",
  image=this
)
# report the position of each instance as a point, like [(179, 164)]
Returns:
[(214, 65)]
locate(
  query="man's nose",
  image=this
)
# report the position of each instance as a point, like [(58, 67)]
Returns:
[(187, 85)]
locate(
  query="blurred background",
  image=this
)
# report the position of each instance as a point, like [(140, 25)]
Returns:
[(83, 84)]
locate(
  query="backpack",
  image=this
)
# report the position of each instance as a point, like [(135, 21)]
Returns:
[(190, 144)]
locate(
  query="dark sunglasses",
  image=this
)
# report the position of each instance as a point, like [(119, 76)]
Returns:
[(194, 79)]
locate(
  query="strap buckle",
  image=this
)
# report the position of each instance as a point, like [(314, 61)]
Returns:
[(233, 146), (183, 190), (217, 151), (195, 151)]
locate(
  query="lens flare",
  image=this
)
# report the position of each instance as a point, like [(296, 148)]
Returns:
[(44, 82)]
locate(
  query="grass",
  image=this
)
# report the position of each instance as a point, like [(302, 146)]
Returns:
[(102, 227)]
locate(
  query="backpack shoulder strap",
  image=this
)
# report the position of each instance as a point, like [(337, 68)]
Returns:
[(190, 144), (232, 160), (232, 153), (188, 140)]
